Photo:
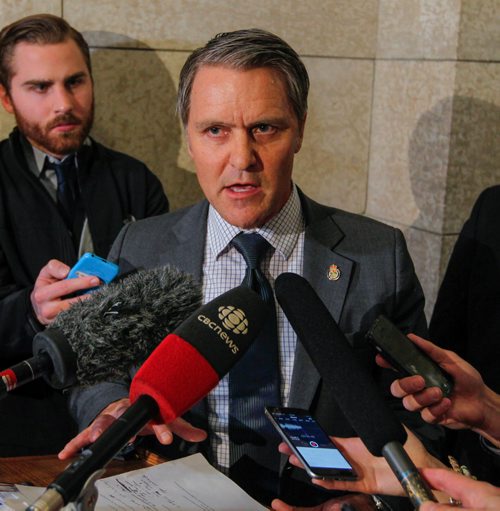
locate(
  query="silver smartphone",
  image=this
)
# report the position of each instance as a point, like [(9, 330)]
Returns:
[(310, 443)]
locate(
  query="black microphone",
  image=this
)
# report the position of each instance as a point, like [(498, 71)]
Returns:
[(180, 371), (54, 359), (108, 333), (354, 388)]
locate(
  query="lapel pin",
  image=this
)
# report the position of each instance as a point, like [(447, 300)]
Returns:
[(333, 272)]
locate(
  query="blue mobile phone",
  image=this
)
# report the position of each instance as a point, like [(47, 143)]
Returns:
[(92, 265)]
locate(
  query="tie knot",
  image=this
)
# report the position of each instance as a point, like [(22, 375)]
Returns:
[(252, 246), (64, 169)]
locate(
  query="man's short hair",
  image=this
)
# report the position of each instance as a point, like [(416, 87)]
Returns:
[(37, 29), (247, 49)]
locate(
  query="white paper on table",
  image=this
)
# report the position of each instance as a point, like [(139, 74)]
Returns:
[(7, 491), (186, 484)]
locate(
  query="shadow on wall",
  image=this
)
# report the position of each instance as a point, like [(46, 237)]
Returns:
[(135, 112), (453, 155), (454, 148)]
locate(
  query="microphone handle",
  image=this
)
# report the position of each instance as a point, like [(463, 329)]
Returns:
[(69, 484), (414, 485), (24, 372)]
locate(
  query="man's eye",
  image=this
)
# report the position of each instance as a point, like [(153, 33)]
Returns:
[(214, 130), (39, 87), (73, 82), (264, 128)]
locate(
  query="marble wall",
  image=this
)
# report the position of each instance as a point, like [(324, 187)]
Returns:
[(404, 106)]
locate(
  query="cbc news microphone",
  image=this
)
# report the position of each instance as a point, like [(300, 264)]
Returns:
[(354, 388), (114, 329), (180, 371)]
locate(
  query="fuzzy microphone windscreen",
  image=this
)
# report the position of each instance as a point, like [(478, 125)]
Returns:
[(120, 324)]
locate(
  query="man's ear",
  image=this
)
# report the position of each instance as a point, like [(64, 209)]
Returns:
[(5, 99), (300, 137)]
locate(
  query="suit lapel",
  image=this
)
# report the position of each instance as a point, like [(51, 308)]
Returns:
[(191, 232), (322, 236), (188, 253), (320, 257)]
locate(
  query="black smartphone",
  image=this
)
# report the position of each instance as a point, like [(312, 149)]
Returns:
[(405, 356), (309, 442)]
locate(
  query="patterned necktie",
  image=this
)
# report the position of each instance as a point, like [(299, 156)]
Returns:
[(254, 383), (66, 187)]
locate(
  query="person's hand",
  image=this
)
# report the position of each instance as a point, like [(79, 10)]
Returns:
[(51, 288), (374, 474), (357, 501), (471, 405), (474, 495), (164, 433)]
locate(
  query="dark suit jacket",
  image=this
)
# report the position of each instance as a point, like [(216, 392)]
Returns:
[(466, 317), (377, 276), (115, 188)]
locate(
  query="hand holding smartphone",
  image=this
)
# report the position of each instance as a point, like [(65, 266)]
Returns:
[(92, 265), (309, 442), (405, 356)]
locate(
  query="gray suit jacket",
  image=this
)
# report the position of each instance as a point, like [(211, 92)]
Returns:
[(377, 276)]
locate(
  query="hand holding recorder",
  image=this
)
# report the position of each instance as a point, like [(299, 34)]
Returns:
[(471, 404), (92, 265), (56, 285), (52, 289), (374, 474), (310, 444), (405, 356)]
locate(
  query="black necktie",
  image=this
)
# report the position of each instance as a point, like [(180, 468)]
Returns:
[(254, 383), (66, 187)]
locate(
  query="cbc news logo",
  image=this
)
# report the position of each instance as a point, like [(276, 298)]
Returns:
[(233, 319)]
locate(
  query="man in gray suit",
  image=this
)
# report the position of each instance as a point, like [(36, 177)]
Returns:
[(243, 102)]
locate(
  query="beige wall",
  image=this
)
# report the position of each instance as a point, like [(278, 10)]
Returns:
[(404, 107)]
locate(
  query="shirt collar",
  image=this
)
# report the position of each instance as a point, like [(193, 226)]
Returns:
[(281, 231), (36, 157)]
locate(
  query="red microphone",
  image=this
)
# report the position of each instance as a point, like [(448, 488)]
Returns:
[(189, 363), (179, 372)]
